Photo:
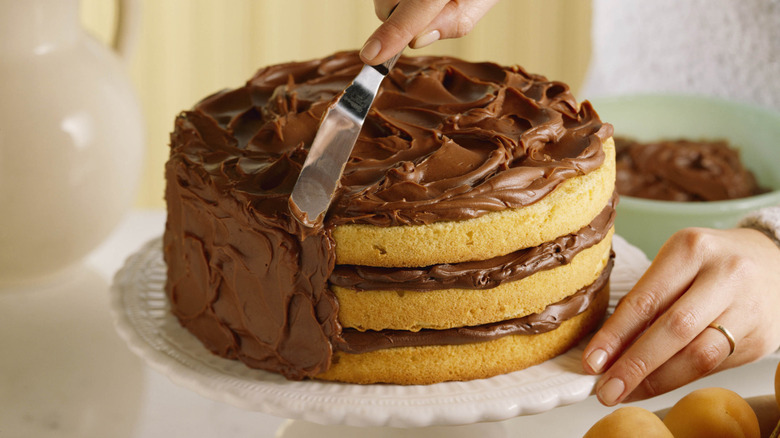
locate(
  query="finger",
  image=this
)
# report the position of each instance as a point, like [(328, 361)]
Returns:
[(407, 20), (383, 8), (709, 352), (668, 277), (456, 19), (671, 333)]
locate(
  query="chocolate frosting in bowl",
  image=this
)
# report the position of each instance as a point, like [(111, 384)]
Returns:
[(682, 170), (446, 140)]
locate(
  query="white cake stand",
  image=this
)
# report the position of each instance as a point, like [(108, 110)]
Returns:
[(453, 409)]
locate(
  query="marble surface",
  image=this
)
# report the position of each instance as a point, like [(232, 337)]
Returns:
[(64, 372)]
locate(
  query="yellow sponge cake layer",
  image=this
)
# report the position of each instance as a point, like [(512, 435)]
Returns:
[(566, 209)]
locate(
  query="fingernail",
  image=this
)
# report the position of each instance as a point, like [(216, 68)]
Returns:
[(425, 39), (370, 49), (596, 360), (610, 392)]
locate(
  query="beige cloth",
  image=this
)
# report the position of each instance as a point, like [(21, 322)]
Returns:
[(766, 220)]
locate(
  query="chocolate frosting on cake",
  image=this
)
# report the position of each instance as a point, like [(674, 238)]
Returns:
[(445, 140)]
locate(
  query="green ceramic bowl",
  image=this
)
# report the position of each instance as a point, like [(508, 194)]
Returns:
[(754, 131)]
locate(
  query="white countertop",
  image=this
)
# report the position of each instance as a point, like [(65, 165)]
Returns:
[(64, 372)]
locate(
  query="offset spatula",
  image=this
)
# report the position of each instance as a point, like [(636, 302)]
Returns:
[(332, 145)]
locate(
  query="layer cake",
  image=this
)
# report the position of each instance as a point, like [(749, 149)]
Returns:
[(470, 235)]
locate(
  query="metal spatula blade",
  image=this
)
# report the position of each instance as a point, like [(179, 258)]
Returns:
[(313, 191)]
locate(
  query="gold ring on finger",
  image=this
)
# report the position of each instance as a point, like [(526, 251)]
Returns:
[(727, 334)]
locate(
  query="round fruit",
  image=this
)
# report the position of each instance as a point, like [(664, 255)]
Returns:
[(712, 413), (628, 422)]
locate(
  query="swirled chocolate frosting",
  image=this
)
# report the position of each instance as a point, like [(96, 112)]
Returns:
[(445, 140), (682, 170)]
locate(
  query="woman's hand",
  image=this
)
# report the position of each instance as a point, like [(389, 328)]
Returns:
[(419, 23), (659, 337)]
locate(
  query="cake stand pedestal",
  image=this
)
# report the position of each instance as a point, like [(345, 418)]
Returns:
[(451, 409)]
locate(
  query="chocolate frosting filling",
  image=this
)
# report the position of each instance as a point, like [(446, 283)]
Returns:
[(549, 319), (480, 274), (445, 140)]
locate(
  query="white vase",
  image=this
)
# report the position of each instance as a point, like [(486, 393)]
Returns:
[(71, 138)]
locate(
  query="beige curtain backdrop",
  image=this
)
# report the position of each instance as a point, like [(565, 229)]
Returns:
[(191, 48)]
